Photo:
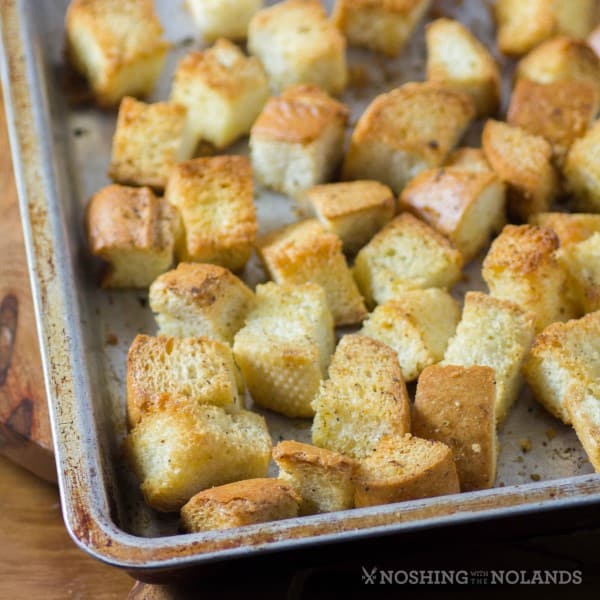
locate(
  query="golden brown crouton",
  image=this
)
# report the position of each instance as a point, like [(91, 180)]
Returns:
[(240, 503), (407, 130), (223, 18), (456, 406), (583, 407), (364, 398), (134, 231), (570, 228), (468, 159)]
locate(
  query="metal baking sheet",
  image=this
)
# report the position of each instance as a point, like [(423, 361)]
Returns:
[(61, 152)]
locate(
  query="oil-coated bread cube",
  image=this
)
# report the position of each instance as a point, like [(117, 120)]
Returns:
[(223, 18), (468, 159), (584, 410), (582, 170), (569, 227)]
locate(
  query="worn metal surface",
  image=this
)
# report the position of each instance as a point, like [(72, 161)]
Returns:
[(61, 150)]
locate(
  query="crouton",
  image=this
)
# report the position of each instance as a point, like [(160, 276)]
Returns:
[(493, 333), (522, 161), (458, 60), (169, 370), (223, 18), (354, 211), (574, 17), (240, 503), (380, 25), (180, 449), (563, 361), (134, 232), (200, 300), (285, 347), (522, 266), (569, 227), (582, 170), (322, 478), (405, 468), (417, 324), (149, 141), (297, 141), (594, 40), (405, 254), (468, 159), (215, 198), (364, 398), (465, 206), (296, 43), (117, 45), (223, 91), (406, 131), (304, 252), (584, 410), (456, 406)]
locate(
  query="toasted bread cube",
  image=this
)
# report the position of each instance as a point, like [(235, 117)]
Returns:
[(584, 409), (458, 60), (380, 25), (406, 254), (297, 141), (465, 206), (223, 18), (134, 232), (364, 398), (180, 449), (522, 160), (285, 347), (170, 370), (594, 40), (570, 228), (304, 252), (240, 503), (560, 112), (417, 324), (493, 333), (223, 91), (582, 170), (322, 478), (117, 45), (200, 300), (354, 211), (296, 43), (149, 141), (522, 266), (215, 199), (563, 360), (406, 131), (468, 159), (575, 17), (456, 406), (405, 468)]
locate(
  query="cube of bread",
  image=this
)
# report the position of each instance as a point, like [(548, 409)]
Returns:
[(215, 199), (456, 406), (584, 410), (285, 347), (304, 252), (180, 449), (522, 266), (563, 361), (355, 211), (168, 370), (296, 43), (468, 159), (297, 141), (404, 132), (569, 227), (380, 25), (117, 45), (405, 468), (223, 18), (560, 112), (240, 503), (406, 254), (522, 160), (322, 478), (417, 324), (493, 333), (364, 398), (594, 40), (134, 232), (465, 206), (149, 141), (458, 60), (197, 299), (582, 170), (223, 91)]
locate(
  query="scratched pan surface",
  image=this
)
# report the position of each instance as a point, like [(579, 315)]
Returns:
[(61, 152)]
